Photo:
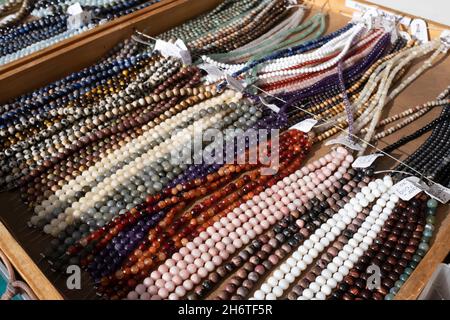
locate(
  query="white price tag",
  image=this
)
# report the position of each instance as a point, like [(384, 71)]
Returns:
[(366, 161), (405, 35), (214, 73), (390, 15), (185, 55), (74, 9), (234, 83), (419, 29), (445, 38), (406, 189), (439, 192), (177, 50), (345, 141), (77, 21), (271, 106), (305, 125)]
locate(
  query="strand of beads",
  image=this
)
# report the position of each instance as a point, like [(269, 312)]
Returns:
[(207, 213), (359, 243), (78, 208), (306, 253), (224, 234), (264, 254)]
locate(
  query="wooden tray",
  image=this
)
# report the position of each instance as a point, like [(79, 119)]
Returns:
[(75, 53), (23, 246)]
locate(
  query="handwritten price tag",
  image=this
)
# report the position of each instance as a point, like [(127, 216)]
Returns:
[(271, 106), (305, 125), (234, 83), (345, 141), (365, 161), (406, 189)]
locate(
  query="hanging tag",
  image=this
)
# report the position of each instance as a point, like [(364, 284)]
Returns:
[(419, 30), (445, 38), (406, 189), (345, 141), (78, 21), (214, 73), (405, 35), (366, 161), (439, 192), (271, 106), (167, 49), (185, 55), (391, 27), (234, 83), (305, 125), (364, 7), (74, 9)]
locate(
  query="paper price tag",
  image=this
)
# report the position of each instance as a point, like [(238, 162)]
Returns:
[(177, 50), (445, 38), (406, 189), (389, 15), (345, 141), (234, 83), (271, 106), (419, 30), (405, 35), (185, 55), (305, 125), (77, 21), (74, 9), (439, 192), (366, 161), (167, 49), (214, 73)]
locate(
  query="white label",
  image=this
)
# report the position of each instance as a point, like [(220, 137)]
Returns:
[(445, 37), (391, 27), (185, 55), (439, 192), (345, 141), (79, 20), (356, 5), (305, 125), (380, 12), (271, 106), (419, 29), (366, 161), (74, 9), (177, 50), (234, 83), (406, 189), (405, 35), (214, 73)]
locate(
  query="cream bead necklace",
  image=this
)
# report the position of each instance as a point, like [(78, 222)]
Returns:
[(381, 79)]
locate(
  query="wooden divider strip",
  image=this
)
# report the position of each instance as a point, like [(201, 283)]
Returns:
[(26, 267)]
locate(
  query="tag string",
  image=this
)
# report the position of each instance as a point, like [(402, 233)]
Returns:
[(323, 122), (352, 135)]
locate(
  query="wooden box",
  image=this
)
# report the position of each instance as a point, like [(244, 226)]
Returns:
[(23, 246)]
